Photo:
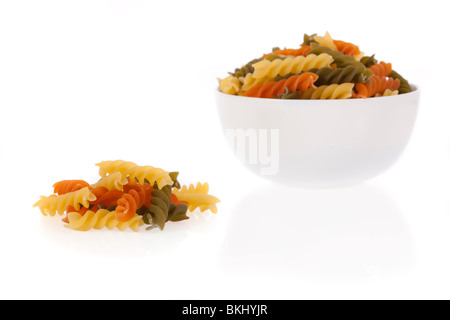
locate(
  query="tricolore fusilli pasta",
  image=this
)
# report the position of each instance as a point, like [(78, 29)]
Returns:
[(342, 69), (126, 196), (198, 197)]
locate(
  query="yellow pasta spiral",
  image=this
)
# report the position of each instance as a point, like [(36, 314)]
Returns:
[(57, 204), (326, 41), (141, 173), (388, 93), (151, 174), (270, 69), (101, 219), (197, 197), (249, 81), (108, 167), (114, 181), (334, 91), (229, 85)]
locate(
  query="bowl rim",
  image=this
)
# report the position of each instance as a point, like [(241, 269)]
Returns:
[(415, 91)]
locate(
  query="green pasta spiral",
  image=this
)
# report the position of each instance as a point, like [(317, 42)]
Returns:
[(276, 49), (245, 69), (322, 49), (162, 209), (156, 214), (289, 95), (369, 61), (178, 213), (404, 84), (287, 76), (174, 177), (273, 57), (341, 60), (348, 74), (307, 40)]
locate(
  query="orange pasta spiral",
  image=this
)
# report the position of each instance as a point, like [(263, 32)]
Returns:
[(381, 69), (347, 48), (272, 89), (66, 186), (105, 197), (143, 189), (129, 204), (302, 51), (376, 85)]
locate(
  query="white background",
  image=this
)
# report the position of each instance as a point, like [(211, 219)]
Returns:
[(86, 81)]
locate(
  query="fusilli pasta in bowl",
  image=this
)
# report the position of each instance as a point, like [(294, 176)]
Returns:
[(323, 115)]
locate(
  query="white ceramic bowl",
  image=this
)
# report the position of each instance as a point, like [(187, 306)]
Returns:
[(318, 143)]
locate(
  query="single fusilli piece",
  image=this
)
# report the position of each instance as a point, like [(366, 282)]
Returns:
[(348, 74), (273, 88), (334, 91), (404, 84), (174, 177), (128, 205), (106, 198), (340, 59), (326, 41), (133, 171), (197, 197), (249, 81), (343, 61), (376, 85), (151, 174), (308, 39), (348, 48), (144, 190), (108, 167), (267, 69), (156, 215), (229, 85), (245, 69), (381, 69), (387, 93), (57, 204), (369, 61), (66, 186), (114, 181), (302, 51), (178, 212), (101, 219)]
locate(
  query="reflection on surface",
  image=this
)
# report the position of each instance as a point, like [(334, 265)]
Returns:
[(115, 243), (351, 232)]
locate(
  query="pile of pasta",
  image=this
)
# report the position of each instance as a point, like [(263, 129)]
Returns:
[(126, 196), (322, 68)]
